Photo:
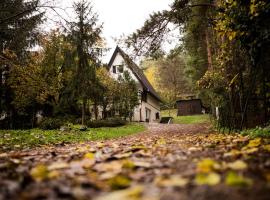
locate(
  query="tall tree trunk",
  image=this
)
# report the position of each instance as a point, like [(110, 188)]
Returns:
[(209, 51)]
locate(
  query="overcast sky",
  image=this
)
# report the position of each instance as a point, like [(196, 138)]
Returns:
[(121, 16)]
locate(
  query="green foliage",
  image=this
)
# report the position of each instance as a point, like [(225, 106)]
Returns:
[(51, 123), (127, 100), (85, 36), (17, 139), (192, 119), (257, 132), (18, 32)]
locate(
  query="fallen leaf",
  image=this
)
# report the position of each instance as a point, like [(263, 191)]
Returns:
[(233, 179), (161, 141), (173, 181), (122, 155), (128, 164), (255, 142), (207, 179), (58, 165), (133, 193), (89, 156), (138, 147), (119, 182), (233, 153), (114, 166), (87, 163), (142, 164), (267, 147), (39, 173), (237, 165), (249, 150), (3, 155), (207, 165), (53, 174)]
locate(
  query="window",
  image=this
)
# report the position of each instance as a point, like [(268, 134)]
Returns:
[(157, 115), (147, 115), (114, 69), (120, 68), (144, 96)]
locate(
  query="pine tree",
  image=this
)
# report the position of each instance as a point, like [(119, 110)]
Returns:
[(85, 34)]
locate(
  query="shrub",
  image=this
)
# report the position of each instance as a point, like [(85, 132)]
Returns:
[(51, 123), (106, 123), (257, 132)]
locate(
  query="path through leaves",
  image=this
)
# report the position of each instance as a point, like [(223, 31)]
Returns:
[(165, 162)]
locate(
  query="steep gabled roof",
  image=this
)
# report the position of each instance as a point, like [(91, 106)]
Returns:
[(136, 71)]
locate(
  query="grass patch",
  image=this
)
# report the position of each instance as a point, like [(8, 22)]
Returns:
[(257, 132), (20, 139), (192, 119)]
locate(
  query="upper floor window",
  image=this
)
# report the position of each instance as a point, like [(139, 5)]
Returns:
[(120, 68), (114, 69)]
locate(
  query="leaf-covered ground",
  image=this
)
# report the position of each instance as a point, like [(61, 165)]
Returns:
[(166, 162)]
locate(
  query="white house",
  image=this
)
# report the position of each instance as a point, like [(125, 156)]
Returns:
[(149, 108)]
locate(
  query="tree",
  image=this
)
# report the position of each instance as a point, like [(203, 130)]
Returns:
[(168, 76), (19, 20), (127, 95), (85, 34)]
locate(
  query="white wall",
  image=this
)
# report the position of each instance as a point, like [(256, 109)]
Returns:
[(140, 111), (120, 61)]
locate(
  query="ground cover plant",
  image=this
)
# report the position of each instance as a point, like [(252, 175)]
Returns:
[(192, 119), (20, 139)]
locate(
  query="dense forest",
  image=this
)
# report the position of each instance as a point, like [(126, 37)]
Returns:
[(222, 57)]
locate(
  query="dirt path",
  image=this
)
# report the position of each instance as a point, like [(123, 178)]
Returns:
[(166, 162)]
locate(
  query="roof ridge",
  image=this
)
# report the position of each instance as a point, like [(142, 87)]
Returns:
[(138, 72)]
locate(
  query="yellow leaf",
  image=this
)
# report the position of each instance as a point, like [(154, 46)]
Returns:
[(89, 156), (207, 165), (233, 179), (267, 147), (232, 153), (128, 164), (39, 173), (237, 165), (173, 181), (161, 141), (133, 193), (254, 143), (249, 150), (53, 174), (207, 179), (119, 182)]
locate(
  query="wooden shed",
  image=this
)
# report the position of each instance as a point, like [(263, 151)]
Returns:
[(189, 107)]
